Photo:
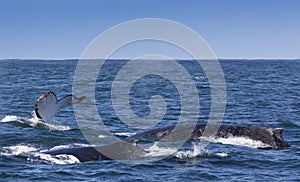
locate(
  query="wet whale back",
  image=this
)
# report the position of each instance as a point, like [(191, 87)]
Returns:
[(122, 150), (272, 137)]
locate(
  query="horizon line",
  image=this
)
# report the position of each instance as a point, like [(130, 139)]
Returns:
[(183, 59)]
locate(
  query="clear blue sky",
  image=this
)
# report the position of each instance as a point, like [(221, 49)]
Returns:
[(233, 28)]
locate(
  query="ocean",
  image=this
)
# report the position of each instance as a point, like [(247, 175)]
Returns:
[(258, 93)]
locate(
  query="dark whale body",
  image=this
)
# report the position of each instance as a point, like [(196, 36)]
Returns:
[(272, 137), (124, 150), (83, 154)]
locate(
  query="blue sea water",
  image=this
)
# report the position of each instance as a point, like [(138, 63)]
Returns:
[(259, 93)]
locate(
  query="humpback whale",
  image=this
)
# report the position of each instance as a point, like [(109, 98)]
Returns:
[(48, 105), (124, 150), (270, 137)]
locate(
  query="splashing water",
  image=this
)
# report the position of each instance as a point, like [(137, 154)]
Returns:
[(155, 151), (18, 150), (196, 151), (34, 122), (240, 141)]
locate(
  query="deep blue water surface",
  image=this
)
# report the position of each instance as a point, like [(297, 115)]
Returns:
[(259, 93)]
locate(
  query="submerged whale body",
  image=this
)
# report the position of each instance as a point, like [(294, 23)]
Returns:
[(48, 105)]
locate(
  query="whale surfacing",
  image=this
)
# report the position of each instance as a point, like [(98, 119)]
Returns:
[(270, 137)]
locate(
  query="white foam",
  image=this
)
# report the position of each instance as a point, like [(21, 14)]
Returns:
[(35, 122), (58, 159), (196, 151), (124, 134), (70, 145), (52, 126), (102, 136), (200, 77), (241, 141), (18, 150), (10, 119), (156, 151), (34, 155), (222, 154), (62, 158)]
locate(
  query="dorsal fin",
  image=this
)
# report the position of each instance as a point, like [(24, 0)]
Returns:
[(278, 132)]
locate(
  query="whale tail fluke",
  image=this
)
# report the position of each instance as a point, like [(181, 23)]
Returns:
[(47, 105), (69, 100)]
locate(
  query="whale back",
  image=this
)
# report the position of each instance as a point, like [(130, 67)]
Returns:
[(271, 137)]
